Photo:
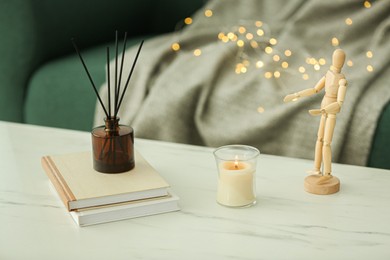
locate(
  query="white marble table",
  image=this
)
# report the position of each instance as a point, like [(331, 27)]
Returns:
[(286, 223)]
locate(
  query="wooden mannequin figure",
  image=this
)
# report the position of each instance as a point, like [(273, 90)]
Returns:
[(335, 88)]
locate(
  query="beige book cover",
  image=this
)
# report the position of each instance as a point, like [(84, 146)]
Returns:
[(80, 186)]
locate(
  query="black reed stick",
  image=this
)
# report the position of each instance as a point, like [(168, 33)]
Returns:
[(108, 82), (89, 76), (117, 86), (120, 73), (128, 79), (116, 71)]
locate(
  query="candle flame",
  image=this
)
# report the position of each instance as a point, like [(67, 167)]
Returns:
[(236, 165), (236, 162)]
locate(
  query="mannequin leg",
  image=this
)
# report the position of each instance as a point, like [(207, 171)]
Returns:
[(319, 144), (327, 154), (326, 150)]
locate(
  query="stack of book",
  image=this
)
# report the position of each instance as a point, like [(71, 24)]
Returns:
[(92, 197)]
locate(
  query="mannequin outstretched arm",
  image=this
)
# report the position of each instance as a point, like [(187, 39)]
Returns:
[(306, 92)]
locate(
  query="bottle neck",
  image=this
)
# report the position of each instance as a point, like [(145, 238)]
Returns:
[(111, 125)]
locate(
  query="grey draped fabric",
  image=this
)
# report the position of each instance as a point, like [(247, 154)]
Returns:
[(179, 97)]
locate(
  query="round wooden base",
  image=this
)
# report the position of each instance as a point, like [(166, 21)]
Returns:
[(329, 187)]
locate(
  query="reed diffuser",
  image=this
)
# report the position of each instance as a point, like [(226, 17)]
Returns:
[(112, 143)]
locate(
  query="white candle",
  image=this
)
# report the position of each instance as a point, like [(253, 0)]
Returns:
[(236, 185)]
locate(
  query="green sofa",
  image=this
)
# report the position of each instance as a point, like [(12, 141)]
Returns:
[(41, 78)]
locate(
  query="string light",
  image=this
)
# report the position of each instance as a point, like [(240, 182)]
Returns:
[(208, 13), (249, 36), (260, 32), (367, 4), (197, 52), (225, 39), (239, 68), (268, 75), (335, 41), (254, 44), (260, 109), (175, 46), (232, 36), (348, 21), (273, 41), (268, 50), (259, 23), (241, 29), (243, 35), (253, 37), (188, 20), (259, 64)]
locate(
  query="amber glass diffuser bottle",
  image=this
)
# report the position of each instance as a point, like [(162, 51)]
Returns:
[(113, 147), (112, 143)]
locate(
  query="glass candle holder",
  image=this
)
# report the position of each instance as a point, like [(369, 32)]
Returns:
[(236, 175), (113, 147)]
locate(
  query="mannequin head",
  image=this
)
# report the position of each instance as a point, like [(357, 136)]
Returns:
[(338, 60)]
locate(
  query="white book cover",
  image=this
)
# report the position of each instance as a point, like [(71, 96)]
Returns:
[(121, 211)]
